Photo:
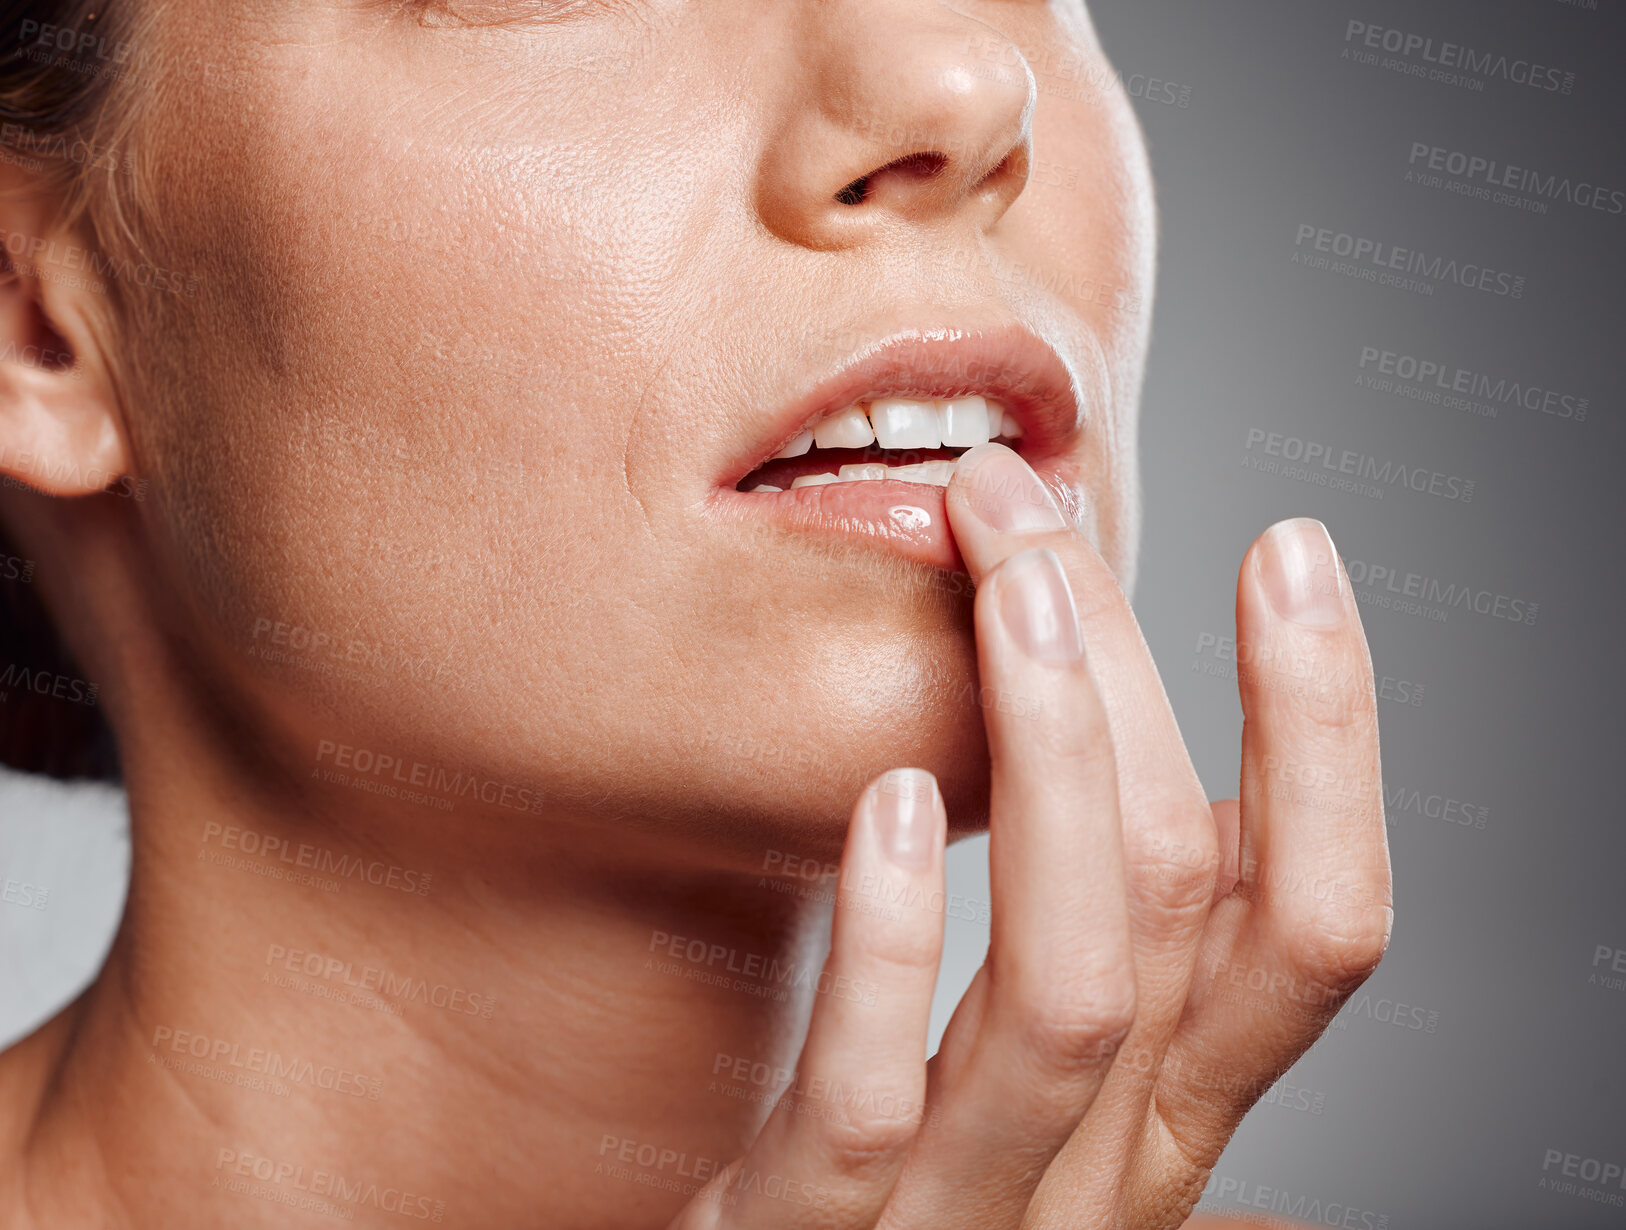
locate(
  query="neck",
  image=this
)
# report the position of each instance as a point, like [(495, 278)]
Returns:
[(458, 1018)]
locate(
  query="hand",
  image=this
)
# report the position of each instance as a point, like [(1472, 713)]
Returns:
[(1155, 963)]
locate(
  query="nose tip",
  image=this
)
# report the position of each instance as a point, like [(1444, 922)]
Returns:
[(897, 124)]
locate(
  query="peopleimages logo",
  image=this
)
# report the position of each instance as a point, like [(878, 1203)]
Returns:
[(1604, 1172), (1450, 58), (1363, 466), (1373, 260), (1462, 388), (1488, 174), (1298, 1206), (1402, 800), (378, 979), (295, 1069), (1414, 593), (318, 1189)]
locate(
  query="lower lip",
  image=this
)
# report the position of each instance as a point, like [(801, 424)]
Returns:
[(906, 519)]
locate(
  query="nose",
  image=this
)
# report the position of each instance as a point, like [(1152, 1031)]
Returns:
[(889, 114)]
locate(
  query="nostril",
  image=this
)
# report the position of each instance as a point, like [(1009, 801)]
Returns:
[(855, 192), (927, 164), (1014, 166)]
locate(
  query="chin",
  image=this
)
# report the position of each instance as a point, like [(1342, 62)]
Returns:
[(793, 783)]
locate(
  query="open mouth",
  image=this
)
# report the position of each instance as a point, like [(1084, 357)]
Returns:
[(901, 439), (867, 453)]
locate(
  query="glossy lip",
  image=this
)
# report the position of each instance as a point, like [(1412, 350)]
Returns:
[(1010, 364)]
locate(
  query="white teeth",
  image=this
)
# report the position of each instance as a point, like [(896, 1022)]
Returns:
[(796, 447), (862, 470), (965, 422), (908, 474), (934, 473), (846, 429), (900, 423)]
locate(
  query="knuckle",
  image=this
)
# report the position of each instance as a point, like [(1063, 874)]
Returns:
[(1327, 682), (1172, 862), (898, 957), (1188, 1155), (1173, 901), (859, 1145), (1344, 712), (1341, 952), (1341, 696), (1068, 1034)]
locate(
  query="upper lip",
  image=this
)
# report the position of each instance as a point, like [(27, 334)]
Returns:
[(1010, 364)]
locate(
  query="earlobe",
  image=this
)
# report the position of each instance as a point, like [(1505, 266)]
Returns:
[(61, 431)]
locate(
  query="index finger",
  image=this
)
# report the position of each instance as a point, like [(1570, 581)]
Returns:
[(997, 507)]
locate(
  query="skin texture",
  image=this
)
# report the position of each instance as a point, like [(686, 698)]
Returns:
[(462, 322)]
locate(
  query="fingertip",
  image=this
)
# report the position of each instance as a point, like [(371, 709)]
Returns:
[(997, 492), (910, 822), (1037, 609), (1298, 573)]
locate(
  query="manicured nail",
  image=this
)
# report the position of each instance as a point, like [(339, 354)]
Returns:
[(1298, 567), (903, 805), (1005, 493), (1036, 605)]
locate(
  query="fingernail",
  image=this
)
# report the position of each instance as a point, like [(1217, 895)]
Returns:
[(1298, 567), (1036, 605), (1005, 493), (903, 806)]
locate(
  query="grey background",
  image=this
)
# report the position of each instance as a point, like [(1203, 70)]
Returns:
[(1269, 128), (1497, 927)]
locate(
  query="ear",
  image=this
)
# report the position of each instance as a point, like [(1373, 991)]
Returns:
[(61, 429)]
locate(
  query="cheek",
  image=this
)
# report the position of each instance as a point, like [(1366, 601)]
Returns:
[(378, 427), (1088, 213), (1085, 235), (421, 333), (404, 436)]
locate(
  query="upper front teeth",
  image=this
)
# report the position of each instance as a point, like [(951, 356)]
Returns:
[(966, 421), (847, 428), (796, 447), (904, 423)]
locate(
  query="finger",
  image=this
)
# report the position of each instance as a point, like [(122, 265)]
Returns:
[(1228, 828), (1311, 912), (997, 506), (832, 1148), (1057, 993)]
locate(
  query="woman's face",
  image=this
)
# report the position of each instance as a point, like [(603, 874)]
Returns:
[(496, 307)]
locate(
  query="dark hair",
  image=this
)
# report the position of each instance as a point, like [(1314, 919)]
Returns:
[(56, 72)]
